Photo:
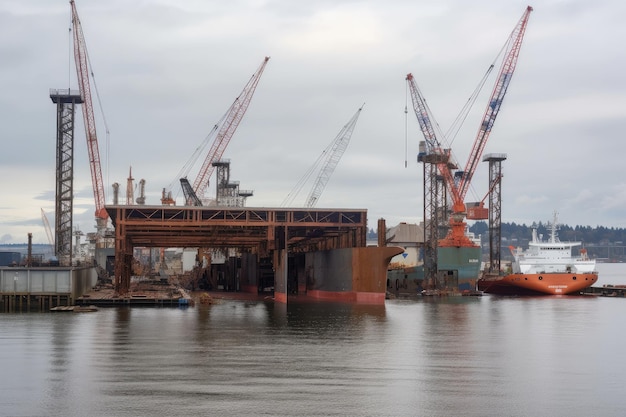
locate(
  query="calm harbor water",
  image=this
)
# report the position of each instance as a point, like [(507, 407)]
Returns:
[(461, 356)]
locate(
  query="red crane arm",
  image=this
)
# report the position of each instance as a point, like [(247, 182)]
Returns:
[(233, 118), (495, 102), (82, 72)]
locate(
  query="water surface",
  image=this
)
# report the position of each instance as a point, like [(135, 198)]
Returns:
[(469, 356)]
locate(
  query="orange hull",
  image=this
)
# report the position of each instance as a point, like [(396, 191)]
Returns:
[(549, 283)]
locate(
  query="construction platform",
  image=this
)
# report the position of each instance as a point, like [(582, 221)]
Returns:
[(263, 233)]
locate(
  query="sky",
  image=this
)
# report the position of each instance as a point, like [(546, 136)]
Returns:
[(166, 71)]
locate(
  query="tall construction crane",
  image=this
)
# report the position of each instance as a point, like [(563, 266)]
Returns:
[(231, 121), (458, 184), (328, 160), (339, 146), (82, 71)]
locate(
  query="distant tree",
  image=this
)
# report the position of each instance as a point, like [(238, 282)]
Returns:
[(479, 228)]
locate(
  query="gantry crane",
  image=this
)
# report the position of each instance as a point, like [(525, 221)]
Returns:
[(328, 160), (457, 184), (82, 71), (231, 121)]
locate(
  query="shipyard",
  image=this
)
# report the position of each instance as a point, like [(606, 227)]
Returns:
[(322, 253), (312, 208)]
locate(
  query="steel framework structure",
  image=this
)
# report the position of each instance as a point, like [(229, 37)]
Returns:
[(495, 210), (65, 101), (81, 60), (259, 230)]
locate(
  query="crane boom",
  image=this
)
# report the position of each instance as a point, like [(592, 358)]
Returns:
[(231, 122), (338, 147), (434, 150), (423, 115), (46, 225), (495, 102), (82, 71), (191, 199), (457, 236), (458, 189)]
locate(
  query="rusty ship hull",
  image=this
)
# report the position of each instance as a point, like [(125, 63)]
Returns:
[(349, 275)]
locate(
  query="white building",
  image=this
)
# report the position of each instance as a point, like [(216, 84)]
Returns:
[(410, 237)]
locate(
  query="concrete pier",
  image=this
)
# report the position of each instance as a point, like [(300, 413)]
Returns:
[(42, 288)]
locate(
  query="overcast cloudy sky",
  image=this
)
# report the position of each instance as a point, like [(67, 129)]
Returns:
[(167, 70)]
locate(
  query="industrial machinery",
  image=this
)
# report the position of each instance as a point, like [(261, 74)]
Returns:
[(223, 132), (328, 160), (457, 182), (81, 59), (191, 199)]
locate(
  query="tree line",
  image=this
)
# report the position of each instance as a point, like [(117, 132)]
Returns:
[(599, 235), (512, 232)]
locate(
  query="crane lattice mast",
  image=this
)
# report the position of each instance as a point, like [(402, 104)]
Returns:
[(337, 149), (82, 71), (233, 118), (495, 101), (457, 236), (436, 153)]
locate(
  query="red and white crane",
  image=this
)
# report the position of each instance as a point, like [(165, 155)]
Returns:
[(458, 184), (231, 121), (82, 71)]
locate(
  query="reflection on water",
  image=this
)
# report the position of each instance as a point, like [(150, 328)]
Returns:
[(471, 356)]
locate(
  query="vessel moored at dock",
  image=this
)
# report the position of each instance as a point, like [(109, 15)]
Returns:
[(546, 267)]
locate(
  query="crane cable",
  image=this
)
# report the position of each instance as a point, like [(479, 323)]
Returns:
[(304, 179), (332, 153), (406, 125), (191, 162)]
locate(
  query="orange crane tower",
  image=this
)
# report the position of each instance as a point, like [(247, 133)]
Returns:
[(82, 71), (458, 184)]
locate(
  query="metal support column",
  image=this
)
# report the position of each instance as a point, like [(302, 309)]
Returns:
[(431, 220), (66, 101), (495, 210)]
